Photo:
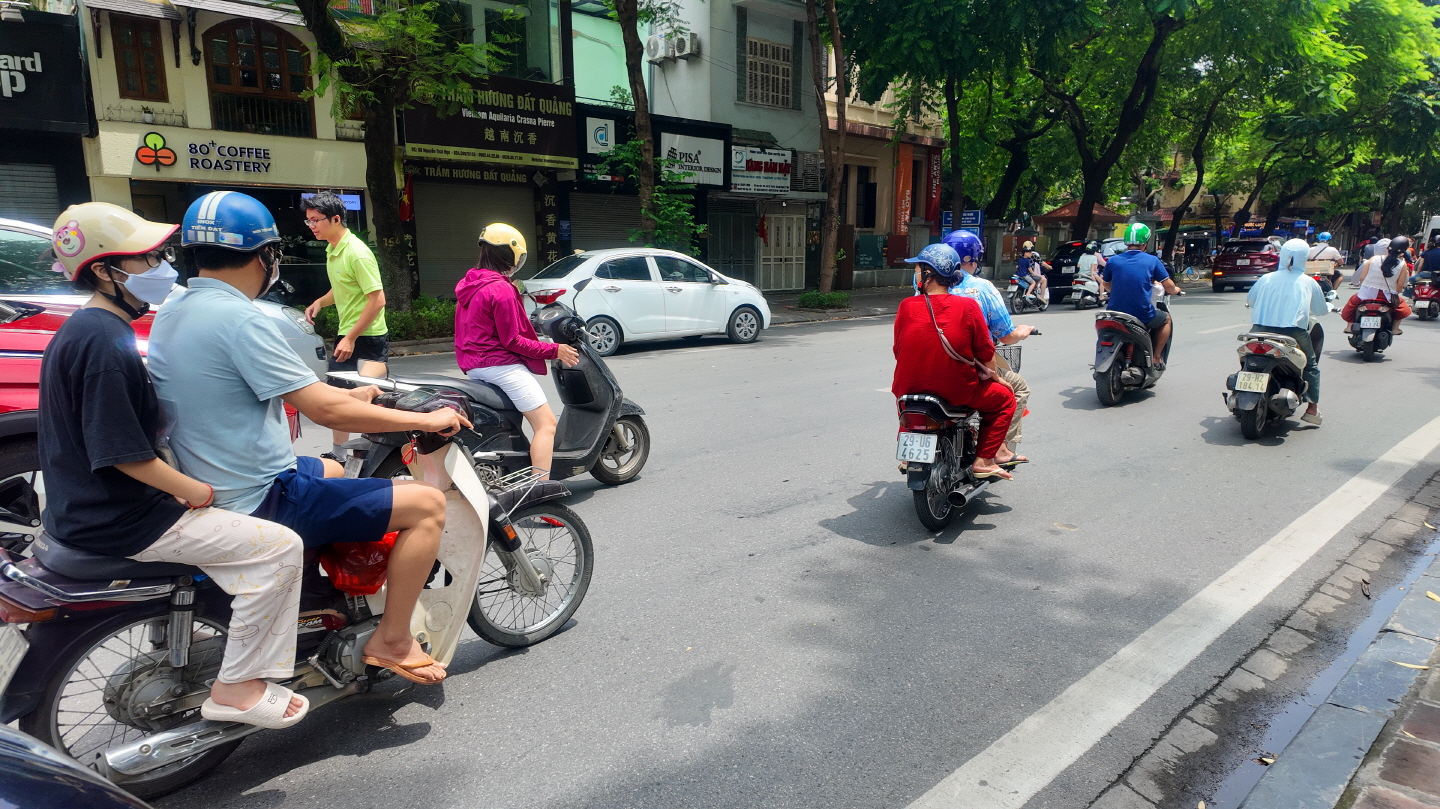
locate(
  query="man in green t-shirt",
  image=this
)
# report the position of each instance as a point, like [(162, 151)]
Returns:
[(355, 291)]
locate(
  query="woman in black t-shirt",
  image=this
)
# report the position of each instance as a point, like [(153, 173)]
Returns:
[(110, 493)]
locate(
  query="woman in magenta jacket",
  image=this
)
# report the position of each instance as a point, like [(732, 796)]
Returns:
[(494, 341)]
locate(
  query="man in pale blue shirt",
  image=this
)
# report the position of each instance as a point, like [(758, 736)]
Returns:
[(1283, 302), (1003, 330), (222, 370)]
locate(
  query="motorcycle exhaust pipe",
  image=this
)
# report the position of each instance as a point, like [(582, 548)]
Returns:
[(167, 747), (960, 499), (1285, 402)]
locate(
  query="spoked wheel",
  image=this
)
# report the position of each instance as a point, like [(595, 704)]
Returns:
[(625, 452), (1108, 385), (119, 687), (1042, 300), (932, 504), (505, 613), (1254, 421)]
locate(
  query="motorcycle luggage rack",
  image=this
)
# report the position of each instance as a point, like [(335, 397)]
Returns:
[(525, 478)]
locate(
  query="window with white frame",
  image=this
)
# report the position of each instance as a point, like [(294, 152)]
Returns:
[(768, 73)]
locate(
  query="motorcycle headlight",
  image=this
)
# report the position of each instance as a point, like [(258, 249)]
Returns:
[(298, 318)]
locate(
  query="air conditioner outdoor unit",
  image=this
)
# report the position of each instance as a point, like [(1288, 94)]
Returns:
[(687, 45), (658, 49)]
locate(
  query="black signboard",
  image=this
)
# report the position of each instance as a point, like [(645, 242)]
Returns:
[(501, 121), (42, 76)]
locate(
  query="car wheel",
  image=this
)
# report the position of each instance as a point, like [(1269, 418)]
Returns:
[(1217, 287), (605, 335), (744, 325)]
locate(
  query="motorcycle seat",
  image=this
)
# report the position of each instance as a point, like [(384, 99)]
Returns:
[(86, 566), (482, 393)]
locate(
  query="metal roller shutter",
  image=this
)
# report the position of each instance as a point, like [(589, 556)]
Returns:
[(31, 194), (598, 221), (448, 219)]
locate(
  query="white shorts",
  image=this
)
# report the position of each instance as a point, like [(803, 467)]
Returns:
[(516, 380)]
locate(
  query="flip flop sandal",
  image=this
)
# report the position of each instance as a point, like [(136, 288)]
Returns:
[(407, 671), (1312, 418), (1013, 462), (268, 713), (990, 475)]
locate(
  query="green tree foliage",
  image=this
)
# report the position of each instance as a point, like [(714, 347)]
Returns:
[(672, 221)]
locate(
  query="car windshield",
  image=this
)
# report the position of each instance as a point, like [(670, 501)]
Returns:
[(1070, 251), (559, 269), (24, 269), (1231, 248)]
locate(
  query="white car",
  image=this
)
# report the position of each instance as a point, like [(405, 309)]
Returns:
[(644, 293), (22, 277)]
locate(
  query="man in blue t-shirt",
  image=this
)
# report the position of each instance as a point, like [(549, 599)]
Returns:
[(1129, 278)]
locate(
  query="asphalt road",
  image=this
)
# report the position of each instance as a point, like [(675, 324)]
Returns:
[(769, 625)]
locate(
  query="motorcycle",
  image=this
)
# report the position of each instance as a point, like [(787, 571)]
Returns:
[(1370, 333), (1021, 301), (1124, 350), (1425, 298), (109, 659), (600, 431), (938, 446), (1270, 382), (1085, 292)]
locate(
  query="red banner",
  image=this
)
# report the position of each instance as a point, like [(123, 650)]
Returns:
[(904, 187)]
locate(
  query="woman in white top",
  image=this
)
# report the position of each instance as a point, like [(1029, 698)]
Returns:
[(1382, 277)]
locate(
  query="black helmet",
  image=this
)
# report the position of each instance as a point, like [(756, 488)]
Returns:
[(1091, 246), (1399, 244)]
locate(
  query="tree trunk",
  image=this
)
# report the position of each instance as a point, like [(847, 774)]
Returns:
[(1197, 156), (627, 13), (1095, 169), (832, 144), (380, 181), (957, 168), (379, 155), (1394, 206), (1272, 217), (1015, 168)]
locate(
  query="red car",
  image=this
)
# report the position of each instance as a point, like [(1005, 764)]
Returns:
[(1240, 263)]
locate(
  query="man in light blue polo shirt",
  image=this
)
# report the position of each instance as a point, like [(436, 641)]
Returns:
[(222, 369)]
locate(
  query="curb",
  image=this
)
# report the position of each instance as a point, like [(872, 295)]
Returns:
[(1319, 763)]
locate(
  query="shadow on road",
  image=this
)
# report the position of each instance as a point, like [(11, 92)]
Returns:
[(1224, 431), (1078, 398), (884, 515)]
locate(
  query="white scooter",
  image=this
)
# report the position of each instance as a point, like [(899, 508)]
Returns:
[(515, 566), (1085, 292)]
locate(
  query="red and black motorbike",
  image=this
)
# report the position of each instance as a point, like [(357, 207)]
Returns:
[(1371, 333), (1425, 297)]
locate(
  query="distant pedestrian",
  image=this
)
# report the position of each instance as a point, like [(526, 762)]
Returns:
[(356, 292)]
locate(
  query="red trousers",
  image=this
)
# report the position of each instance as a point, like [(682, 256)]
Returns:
[(1398, 312), (996, 404)]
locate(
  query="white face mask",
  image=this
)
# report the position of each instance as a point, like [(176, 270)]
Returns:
[(152, 286)]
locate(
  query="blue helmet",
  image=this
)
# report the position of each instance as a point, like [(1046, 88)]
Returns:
[(230, 220), (941, 257), (967, 245), (1324, 236)]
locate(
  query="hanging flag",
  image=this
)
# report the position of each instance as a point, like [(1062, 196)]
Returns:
[(763, 231), (407, 199)]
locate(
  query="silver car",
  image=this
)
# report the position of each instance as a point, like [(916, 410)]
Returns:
[(23, 278)]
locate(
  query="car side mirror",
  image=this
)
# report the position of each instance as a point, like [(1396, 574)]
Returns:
[(715, 279)]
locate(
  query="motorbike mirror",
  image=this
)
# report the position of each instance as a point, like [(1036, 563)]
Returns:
[(582, 283)]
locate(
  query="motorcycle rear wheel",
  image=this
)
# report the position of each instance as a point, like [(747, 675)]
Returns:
[(77, 716), (1367, 350), (558, 543), (1254, 421), (932, 504), (1108, 385)]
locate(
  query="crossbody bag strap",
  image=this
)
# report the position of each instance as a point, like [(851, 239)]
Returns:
[(983, 371)]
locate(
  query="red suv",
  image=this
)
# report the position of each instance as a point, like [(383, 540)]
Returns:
[(1241, 263)]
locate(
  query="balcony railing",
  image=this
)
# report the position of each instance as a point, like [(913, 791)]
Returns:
[(262, 116), (349, 130), (137, 115)]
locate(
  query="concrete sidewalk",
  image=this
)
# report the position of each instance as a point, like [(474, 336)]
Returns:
[(1374, 742), (870, 302)]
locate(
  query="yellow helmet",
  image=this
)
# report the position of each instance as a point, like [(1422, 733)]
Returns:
[(92, 231), (502, 235), (1027, 246)]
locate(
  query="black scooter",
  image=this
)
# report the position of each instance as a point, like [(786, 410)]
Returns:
[(1372, 330), (1124, 354), (600, 431)]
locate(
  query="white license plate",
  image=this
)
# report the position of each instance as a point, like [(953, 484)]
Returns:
[(1252, 382), (919, 447), (12, 650), (1067, 270), (1242, 262), (1369, 322)]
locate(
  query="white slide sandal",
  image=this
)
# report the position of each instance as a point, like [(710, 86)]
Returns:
[(268, 713)]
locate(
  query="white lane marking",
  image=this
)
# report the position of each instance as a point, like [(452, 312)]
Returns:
[(1024, 761), (1243, 326)]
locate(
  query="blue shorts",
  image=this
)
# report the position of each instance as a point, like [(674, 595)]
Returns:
[(324, 510)]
